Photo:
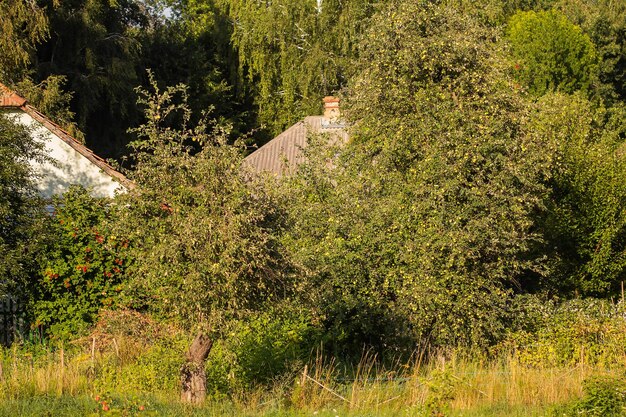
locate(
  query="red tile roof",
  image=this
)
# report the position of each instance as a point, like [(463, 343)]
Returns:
[(10, 99)]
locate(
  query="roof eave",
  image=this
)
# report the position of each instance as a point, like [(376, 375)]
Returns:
[(10, 99)]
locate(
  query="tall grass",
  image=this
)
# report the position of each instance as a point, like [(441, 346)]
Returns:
[(448, 383), (51, 373)]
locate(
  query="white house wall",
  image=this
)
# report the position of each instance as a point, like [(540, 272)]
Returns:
[(70, 167)]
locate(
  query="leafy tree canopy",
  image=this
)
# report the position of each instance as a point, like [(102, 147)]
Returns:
[(20, 211), (605, 23), (23, 24), (428, 216), (204, 242), (552, 53), (289, 54), (93, 44)]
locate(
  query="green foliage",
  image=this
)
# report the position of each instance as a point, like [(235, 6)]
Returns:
[(134, 353), (585, 226), (23, 25), (604, 396), (548, 333), (94, 45), (441, 389), (423, 225), (204, 243), (50, 98), (82, 269), (457, 190), (551, 53), (261, 350), (100, 49), (604, 21), (339, 237), (272, 344), (289, 53), (122, 405), (155, 370), (21, 212), (177, 54)]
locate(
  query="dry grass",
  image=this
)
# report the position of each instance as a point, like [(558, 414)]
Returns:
[(53, 374), (447, 382), (453, 382)]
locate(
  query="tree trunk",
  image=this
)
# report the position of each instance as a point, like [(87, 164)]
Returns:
[(192, 376)]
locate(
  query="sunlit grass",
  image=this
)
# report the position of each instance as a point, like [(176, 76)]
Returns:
[(56, 382)]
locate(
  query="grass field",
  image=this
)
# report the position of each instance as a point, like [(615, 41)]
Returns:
[(63, 384), (85, 406), (127, 369)]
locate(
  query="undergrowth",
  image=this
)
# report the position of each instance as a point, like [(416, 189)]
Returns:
[(129, 365)]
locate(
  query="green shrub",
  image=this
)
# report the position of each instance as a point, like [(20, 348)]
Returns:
[(584, 225), (261, 350), (155, 370), (604, 397), (547, 333), (270, 345), (136, 353), (441, 390), (82, 270)]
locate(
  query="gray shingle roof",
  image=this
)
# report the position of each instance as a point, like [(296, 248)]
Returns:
[(282, 154)]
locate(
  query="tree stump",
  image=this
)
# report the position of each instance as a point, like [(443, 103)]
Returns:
[(192, 375)]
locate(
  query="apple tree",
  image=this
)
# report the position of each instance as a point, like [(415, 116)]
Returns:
[(203, 235)]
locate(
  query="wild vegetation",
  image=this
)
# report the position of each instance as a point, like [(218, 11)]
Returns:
[(463, 254)]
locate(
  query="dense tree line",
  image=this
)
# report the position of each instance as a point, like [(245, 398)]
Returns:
[(259, 66)]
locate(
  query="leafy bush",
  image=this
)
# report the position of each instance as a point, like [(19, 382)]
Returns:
[(585, 225), (273, 343), (441, 391), (547, 333), (604, 397), (135, 353), (82, 269), (155, 369), (261, 350), (604, 22)]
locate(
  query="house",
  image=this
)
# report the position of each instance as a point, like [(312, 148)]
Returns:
[(283, 154), (72, 162)]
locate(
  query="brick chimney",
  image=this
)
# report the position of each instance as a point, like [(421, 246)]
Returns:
[(331, 109)]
